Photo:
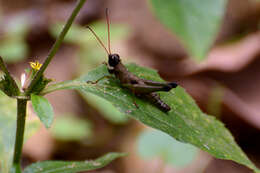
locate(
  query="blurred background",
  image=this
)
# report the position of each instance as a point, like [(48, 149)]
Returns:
[(226, 84)]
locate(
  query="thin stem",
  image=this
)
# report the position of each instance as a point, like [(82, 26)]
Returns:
[(5, 70), (21, 115), (56, 45)]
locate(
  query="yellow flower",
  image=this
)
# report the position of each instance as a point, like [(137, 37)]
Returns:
[(36, 65)]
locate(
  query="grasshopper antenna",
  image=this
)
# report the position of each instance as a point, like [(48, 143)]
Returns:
[(98, 39), (108, 30)]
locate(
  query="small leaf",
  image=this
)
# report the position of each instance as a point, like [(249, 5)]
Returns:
[(195, 22), (185, 122), (71, 167), (43, 109)]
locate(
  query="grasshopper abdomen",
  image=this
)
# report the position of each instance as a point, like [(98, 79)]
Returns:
[(155, 99)]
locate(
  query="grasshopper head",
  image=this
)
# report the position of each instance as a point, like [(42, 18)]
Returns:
[(113, 60)]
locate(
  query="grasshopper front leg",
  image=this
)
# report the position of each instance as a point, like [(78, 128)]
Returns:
[(103, 77)]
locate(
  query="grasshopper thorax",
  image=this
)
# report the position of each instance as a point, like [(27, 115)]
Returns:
[(113, 60)]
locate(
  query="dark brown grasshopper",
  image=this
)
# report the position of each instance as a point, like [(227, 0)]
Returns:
[(140, 87)]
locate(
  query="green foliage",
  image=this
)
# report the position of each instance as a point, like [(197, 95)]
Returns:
[(72, 167), (13, 47), (185, 122), (157, 144), (40, 85), (6, 85), (43, 109), (71, 128), (13, 50), (7, 130), (196, 23)]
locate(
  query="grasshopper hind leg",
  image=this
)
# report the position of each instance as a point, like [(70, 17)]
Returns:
[(166, 86)]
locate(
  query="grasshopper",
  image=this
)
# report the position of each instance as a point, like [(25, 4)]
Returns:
[(139, 87)]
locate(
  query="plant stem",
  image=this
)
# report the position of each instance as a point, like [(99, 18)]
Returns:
[(56, 45), (5, 70), (21, 103), (21, 115)]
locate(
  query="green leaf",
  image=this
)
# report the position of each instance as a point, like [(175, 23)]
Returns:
[(72, 167), (13, 47), (13, 50), (43, 109), (195, 22), (8, 128), (154, 143), (7, 131), (185, 122), (6, 85), (71, 128)]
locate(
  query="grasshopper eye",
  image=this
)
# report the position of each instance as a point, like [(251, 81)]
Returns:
[(113, 60)]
